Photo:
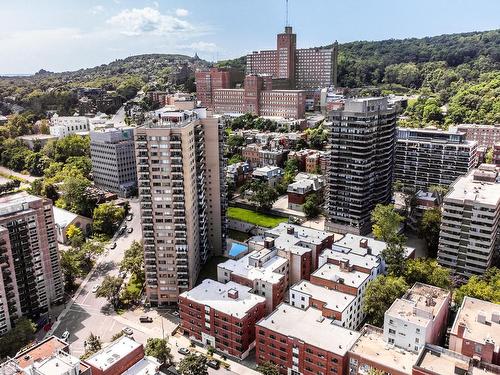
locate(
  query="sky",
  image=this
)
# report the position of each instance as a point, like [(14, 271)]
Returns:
[(61, 35)]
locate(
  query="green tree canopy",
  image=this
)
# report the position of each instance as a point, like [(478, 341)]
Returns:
[(311, 206), (386, 222), (133, 260), (427, 271), (379, 296), (394, 256), (268, 368), (429, 229), (159, 349), (485, 287), (107, 217), (18, 337), (193, 365), (109, 289)]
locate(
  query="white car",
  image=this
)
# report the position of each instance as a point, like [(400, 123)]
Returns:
[(128, 331), (95, 288), (65, 335)]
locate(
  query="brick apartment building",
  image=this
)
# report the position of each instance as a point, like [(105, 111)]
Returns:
[(30, 277), (303, 342), (476, 330), (122, 356), (222, 315), (50, 356), (304, 186), (208, 81), (289, 67), (259, 156), (258, 98)]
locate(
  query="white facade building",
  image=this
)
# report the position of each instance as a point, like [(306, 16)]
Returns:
[(61, 126)]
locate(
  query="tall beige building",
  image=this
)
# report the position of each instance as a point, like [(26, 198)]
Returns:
[(180, 169), (470, 222)]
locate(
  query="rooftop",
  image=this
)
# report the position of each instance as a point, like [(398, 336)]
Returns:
[(420, 304), (372, 347), (218, 296), (311, 327), (467, 188), (146, 366), (333, 299), (441, 361), (33, 137), (11, 203), (267, 271), (481, 320), (40, 351), (363, 245), (333, 272), (366, 261), (62, 217), (286, 235), (113, 353)]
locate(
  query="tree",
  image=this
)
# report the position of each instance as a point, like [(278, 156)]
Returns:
[(133, 260), (107, 217), (379, 296), (386, 222), (75, 236), (110, 289), (440, 190), (70, 269), (485, 287), (159, 349), (429, 229), (427, 271), (488, 158), (94, 343), (262, 194), (193, 365), (394, 256), (64, 148), (74, 196), (374, 371), (18, 337), (268, 368), (235, 159), (311, 206)]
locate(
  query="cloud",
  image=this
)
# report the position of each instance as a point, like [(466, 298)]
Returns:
[(200, 46), (147, 20), (96, 9), (180, 12)]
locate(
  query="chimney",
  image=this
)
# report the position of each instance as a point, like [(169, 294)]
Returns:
[(363, 243), (232, 293), (269, 243), (461, 329), (289, 230), (344, 265)]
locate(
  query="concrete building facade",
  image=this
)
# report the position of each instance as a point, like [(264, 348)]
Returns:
[(426, 157), (61, 126), (468, 236), (181, 190), (113, 160), (360, 171)]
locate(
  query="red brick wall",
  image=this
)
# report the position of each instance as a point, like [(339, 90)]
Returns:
[(297, 198), (333, 285), (122, 365)]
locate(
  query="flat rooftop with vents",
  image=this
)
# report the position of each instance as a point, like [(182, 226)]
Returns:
[(230, 298), (333, 299), (311, 327), (113, 353), (335, 273)]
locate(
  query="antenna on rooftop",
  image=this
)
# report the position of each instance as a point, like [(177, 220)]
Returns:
[(286, 14)]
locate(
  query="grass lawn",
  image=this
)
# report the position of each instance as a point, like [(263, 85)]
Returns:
[(134, 286), (237, 235), (209, 269), (255, 218)]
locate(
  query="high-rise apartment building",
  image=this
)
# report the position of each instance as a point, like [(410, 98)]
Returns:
[(308, 68), (113, 160), (470, 220), (31, 278), (426, 157), (360, 171), (180, 169)]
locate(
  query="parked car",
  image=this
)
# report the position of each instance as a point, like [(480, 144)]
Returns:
[(129, 217), (130, 230), (175, 313), (122, 230), (65, 335), (128, 331), (213, 363), (183, 351), (95, 288), (113, 245), (145, 319)]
